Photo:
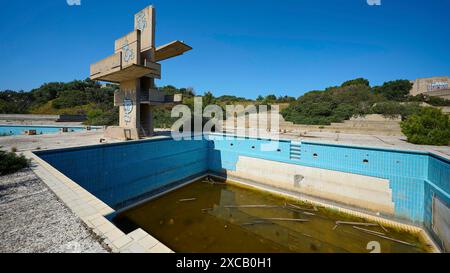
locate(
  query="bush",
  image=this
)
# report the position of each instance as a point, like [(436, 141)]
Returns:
[(162, 118), (358, 81), (70, 98), (429, 126), (435, 101), (11, 162), (335, 104), (393, 109), (103, 116)]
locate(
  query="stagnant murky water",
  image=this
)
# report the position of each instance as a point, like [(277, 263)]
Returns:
[(206, 217)]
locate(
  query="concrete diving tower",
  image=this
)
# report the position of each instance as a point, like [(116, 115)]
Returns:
[(134, 65)]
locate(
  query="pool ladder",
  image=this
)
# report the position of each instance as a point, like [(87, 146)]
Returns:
[(296, 150)]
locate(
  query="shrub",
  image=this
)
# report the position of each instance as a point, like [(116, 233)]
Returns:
[(335, 104), (429, 126), (393, 109), (435, 101), (162, 118), (103, 116), (70, 98), (394, 90), (11, 162), (358, 81)]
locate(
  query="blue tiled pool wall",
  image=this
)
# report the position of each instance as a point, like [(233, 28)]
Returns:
[(408, 172), (117, 173), (437, 187), (223, 153)]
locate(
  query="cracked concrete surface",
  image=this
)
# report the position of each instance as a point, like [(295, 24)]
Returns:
[(32, 219)]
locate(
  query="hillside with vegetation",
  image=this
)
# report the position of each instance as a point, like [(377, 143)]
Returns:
[(319, 107), (420, 124), (357, 98), (96, 101), (75, 98)]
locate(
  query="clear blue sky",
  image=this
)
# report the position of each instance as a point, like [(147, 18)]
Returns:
[(244, 48)]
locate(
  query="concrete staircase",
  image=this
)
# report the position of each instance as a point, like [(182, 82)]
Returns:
[(370, 125), (296, 152)]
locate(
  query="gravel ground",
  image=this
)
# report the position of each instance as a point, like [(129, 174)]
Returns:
[(32, 219)]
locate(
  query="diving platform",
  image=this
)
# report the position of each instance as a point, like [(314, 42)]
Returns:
[(134, 65)]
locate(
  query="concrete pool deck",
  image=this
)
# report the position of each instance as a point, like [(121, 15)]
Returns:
[(138, 241), (75, 139), (52, 141)]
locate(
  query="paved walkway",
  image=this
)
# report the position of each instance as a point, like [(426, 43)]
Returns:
[(33, 220)]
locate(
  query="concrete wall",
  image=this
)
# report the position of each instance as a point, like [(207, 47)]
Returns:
[(434, 86), (351, 189)]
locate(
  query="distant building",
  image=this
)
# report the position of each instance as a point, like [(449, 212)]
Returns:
[(434, 86)]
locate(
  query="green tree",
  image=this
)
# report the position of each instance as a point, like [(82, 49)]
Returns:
[(103, 116), (358, 81), (335, 104), (270, 99), (393, 109), (429, 126), (435, 101), (208, 99), (283, 99), (70, 98), (15, 102), (394, 90)]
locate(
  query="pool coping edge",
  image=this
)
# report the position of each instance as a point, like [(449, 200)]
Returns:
[(92, 212)]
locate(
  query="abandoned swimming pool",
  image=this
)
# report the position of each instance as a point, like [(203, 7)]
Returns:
[(407, 187), (212, 216), (10, 130)]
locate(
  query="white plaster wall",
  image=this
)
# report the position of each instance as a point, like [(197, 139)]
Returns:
[(356, 190)]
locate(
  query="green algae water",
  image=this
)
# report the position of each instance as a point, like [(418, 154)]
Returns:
[(223, 217)]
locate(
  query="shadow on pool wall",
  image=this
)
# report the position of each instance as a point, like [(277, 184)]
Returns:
[(410, 184)]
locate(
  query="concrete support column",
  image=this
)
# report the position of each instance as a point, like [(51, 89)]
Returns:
[(146, 120), (129, 110)]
